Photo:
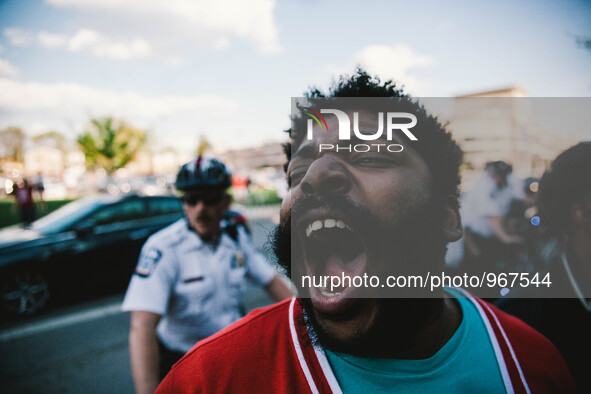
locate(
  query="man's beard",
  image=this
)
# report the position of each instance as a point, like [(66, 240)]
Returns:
[(414, 245)]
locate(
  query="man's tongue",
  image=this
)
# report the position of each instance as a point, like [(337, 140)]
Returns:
[(338, 294), (340, 268), (335, 255), (335, 266)]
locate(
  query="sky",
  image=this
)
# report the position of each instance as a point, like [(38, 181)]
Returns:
[(227, 69)]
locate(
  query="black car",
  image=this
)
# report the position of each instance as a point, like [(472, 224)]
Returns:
[(87, 246)]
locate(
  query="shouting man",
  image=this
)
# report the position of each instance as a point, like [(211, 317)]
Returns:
[(377, 205)]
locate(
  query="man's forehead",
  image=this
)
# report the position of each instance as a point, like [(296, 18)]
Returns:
[(367, 124), (366, 120)]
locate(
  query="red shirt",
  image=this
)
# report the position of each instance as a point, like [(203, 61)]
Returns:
[(269, 351)]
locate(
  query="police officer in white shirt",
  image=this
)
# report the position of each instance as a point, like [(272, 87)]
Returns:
[(190, 276), (486, 207)]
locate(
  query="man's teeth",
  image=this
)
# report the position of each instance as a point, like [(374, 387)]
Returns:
[(327, 293), (326, 223)]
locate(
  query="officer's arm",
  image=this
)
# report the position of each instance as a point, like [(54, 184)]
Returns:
[(278, 289), (496, 223), (143, 348), (260, 271)]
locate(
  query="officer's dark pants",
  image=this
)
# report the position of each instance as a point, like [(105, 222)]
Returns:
[(495, 256), (167, 359)]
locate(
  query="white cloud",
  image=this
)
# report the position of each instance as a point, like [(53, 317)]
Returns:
[(221, 43), (85, 41), (196, 21), (82, 40), (90, 41), (51, 40), (75, 98), (68, 107), (171, 120), (18, 37), (8, 70), (394, 62), (175, 62)]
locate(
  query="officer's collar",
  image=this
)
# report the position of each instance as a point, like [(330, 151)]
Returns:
[(222, 238)]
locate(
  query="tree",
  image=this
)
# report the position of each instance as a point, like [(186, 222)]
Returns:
[(203, 145), (54, 139), (110, 144), (12, 141)]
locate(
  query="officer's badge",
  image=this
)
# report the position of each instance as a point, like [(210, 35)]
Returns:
[(148, 262), (238, 260)]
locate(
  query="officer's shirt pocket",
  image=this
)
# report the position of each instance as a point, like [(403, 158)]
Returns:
[(195, 291)]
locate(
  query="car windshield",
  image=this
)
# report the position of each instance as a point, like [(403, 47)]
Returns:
[(69, 214)]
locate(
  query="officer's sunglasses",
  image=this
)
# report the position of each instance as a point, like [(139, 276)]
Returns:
[(208, 199)]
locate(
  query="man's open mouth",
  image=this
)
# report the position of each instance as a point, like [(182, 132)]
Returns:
[(332, 248)]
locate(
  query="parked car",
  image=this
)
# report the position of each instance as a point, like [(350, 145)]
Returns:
[(89, 245), (54, 189)]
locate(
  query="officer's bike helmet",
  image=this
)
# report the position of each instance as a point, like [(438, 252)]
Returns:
[(499, 167), (203, 173)]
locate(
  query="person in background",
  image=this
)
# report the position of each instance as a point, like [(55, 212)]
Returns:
[(40, 189), (486, 238), (521, 211), (190, 277), (563, 312), (23, 194)]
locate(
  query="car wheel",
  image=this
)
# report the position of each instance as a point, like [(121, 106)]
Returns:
[(24, 292)]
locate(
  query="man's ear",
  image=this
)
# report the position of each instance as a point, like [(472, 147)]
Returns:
[(452, 222), (580, 216)]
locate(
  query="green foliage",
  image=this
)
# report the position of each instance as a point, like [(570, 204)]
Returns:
[(202, 146), (110, 144), (9, 211), (263, 197)]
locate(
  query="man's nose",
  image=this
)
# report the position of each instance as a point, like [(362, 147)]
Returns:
[(324, 176), (199, 206)]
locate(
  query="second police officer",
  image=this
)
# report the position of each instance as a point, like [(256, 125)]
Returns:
[(190, 276)]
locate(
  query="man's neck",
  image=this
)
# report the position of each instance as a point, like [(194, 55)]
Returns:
[(439, 326), (417, 333), (212, 240)]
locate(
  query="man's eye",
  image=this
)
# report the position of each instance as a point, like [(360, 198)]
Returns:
[(366, 160), (373, 161), (295, 177)]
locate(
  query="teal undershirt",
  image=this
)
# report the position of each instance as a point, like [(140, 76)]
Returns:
[(465, 364)]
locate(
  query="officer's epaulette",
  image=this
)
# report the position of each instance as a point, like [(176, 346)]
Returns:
[(232, 231)]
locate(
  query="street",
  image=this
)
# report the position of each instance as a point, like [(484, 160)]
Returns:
[(83, 348)]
